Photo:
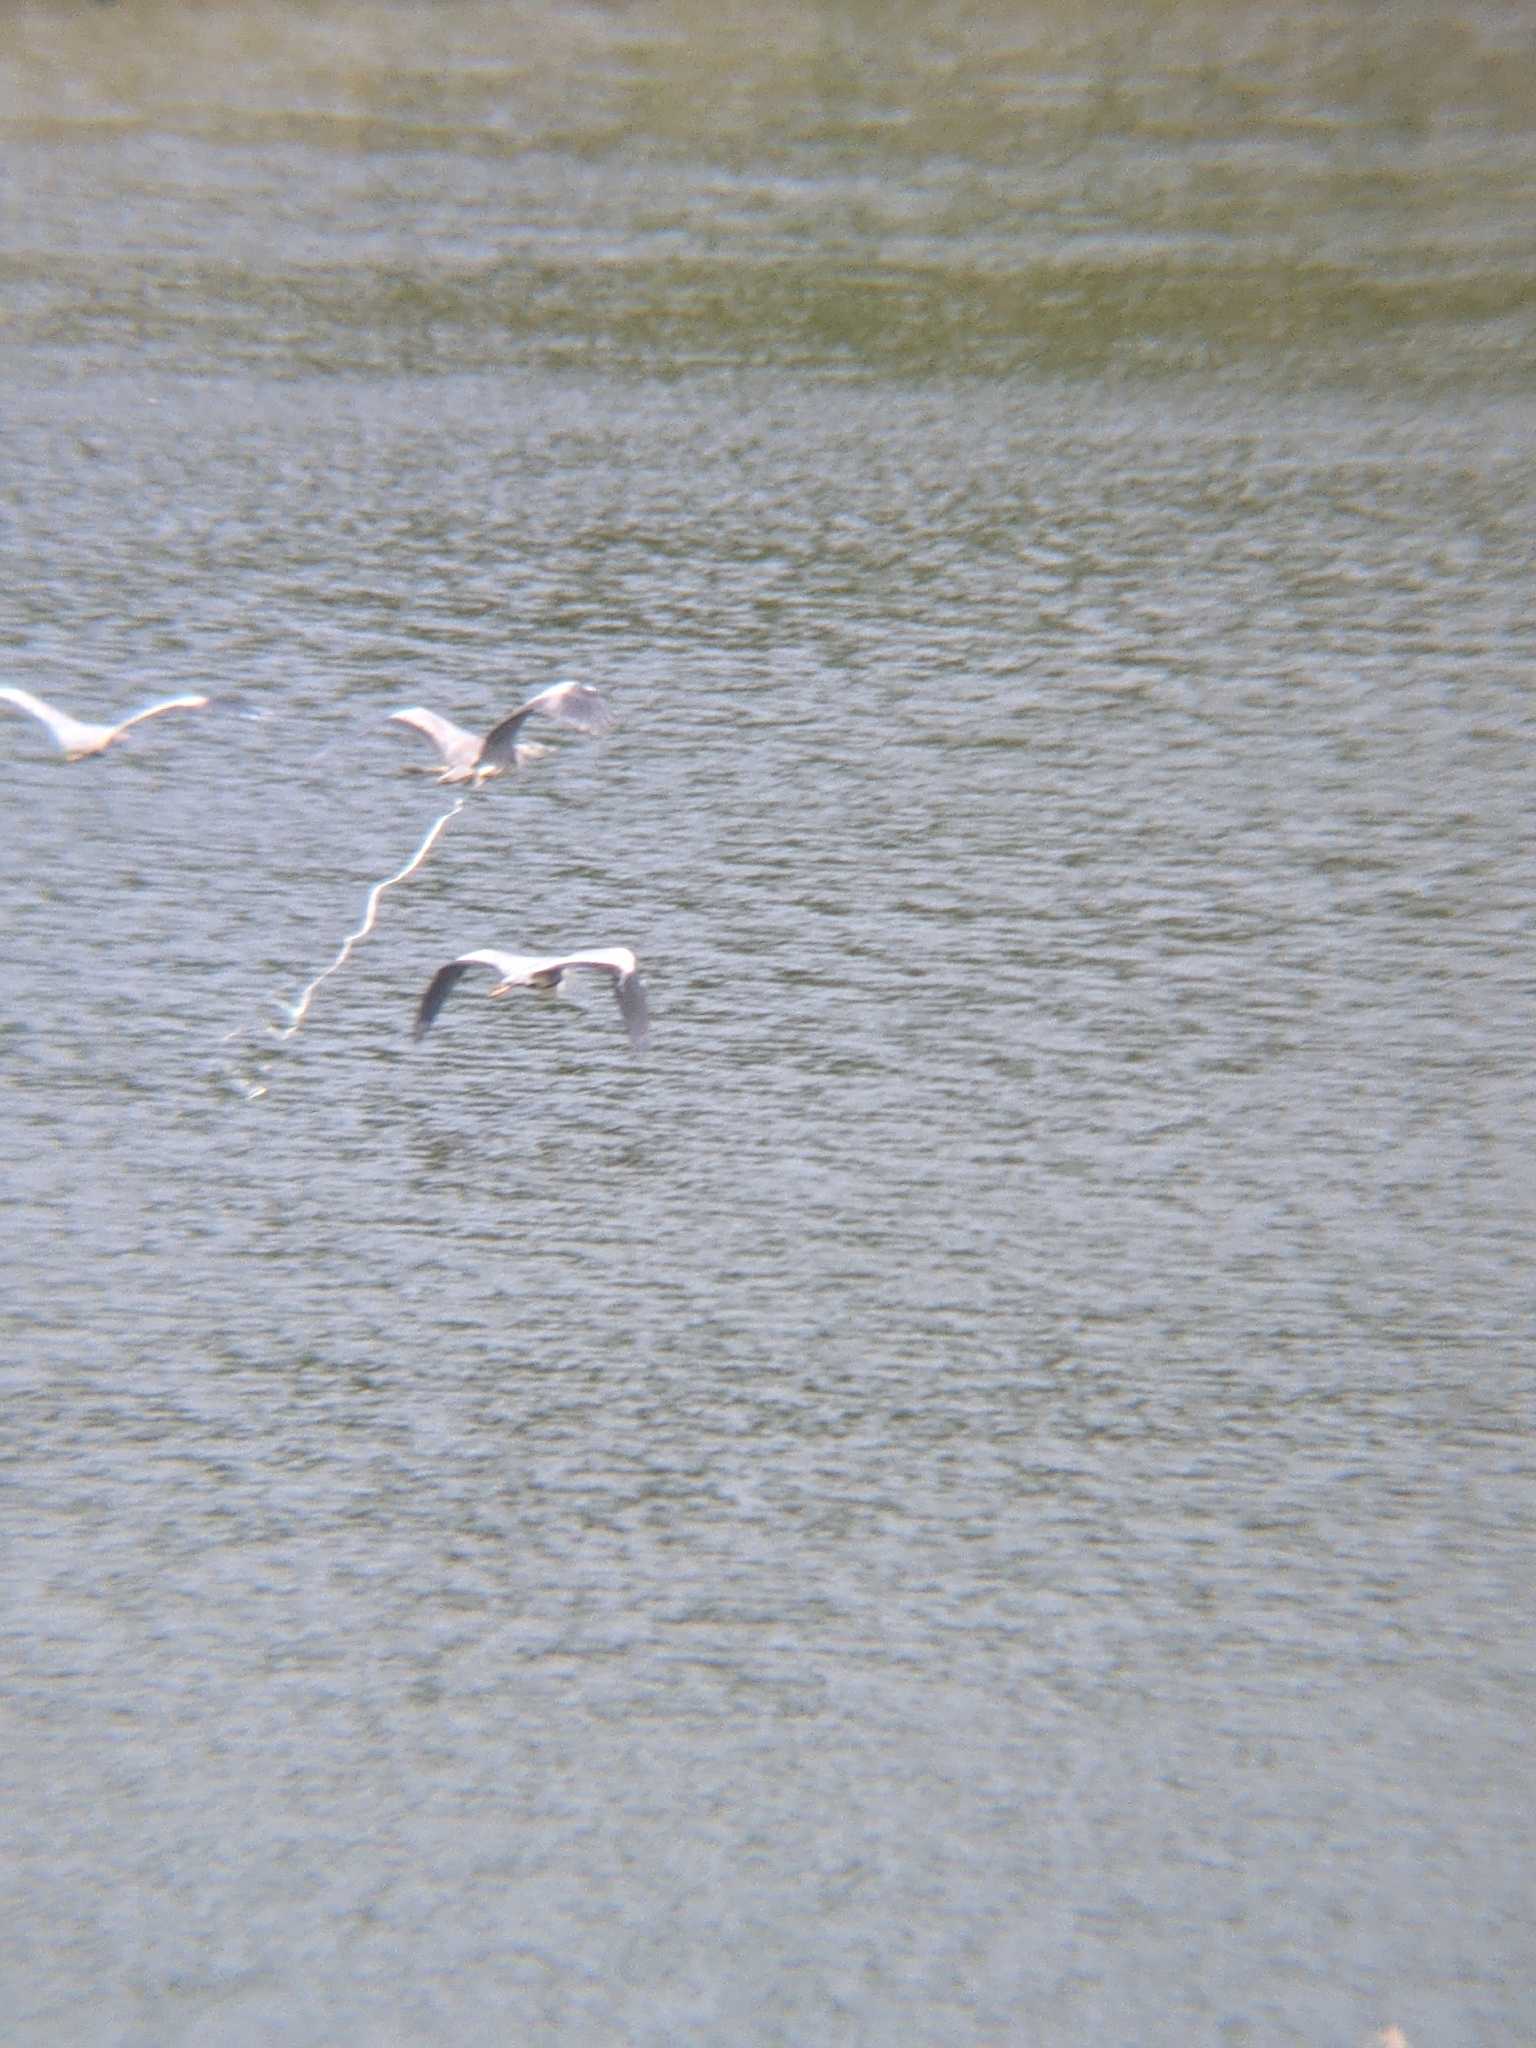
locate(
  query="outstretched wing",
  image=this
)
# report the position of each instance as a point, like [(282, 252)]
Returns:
[(633, 1008), (621, 964), (74, 738), (63, 728), (25, 701), (456, 747), (169, 704), (574, 704), (446, 980)]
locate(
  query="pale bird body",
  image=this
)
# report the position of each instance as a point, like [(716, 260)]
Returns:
[(469, 757), (75, 738), (545, 971)]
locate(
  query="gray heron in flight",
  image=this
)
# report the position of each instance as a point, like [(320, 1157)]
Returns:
[(544, 971), (75, 738), (467, 757)]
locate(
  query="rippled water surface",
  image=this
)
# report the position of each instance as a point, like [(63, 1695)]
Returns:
[(982, 1491)]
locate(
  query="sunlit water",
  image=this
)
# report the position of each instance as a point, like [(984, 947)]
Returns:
[(981, 1491)]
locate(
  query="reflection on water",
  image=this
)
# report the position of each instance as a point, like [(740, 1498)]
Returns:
[(981, 1491)]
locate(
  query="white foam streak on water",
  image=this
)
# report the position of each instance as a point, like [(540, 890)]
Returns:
[(299, 1010)]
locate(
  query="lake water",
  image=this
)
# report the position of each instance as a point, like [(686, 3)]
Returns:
[(983, 1490)]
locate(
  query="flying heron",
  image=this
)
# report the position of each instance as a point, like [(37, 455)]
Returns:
[(545, 971), (74, 737), (466, 757)]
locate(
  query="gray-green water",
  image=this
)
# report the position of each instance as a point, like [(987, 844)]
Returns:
[(982, 1493)]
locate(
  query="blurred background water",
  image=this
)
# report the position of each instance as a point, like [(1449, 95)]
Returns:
[(983, 1491)]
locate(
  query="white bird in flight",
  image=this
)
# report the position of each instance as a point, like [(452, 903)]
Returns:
[(466, 757), (75, 738), (545, 971)]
